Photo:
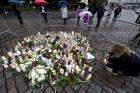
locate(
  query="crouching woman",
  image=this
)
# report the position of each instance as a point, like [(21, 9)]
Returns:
[(124, 60)]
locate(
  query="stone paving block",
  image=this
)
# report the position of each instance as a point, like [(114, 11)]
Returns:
[(22, 87), (76, 88), (116, 80), (136, 80), (81, 91), (18, 80), (68, 89), (1, 74), (8, 74), (104, 91), (128, 90), (91, 90), (10, 83), (3, 90), (129, 85), (135, 84), (45, 86), (120, 90), (1, 68), (99, 82), (110, 84), (107, 88), (2, 82), (97, 87), (84, 86), (38, 91), (13, 90), (49, 90)]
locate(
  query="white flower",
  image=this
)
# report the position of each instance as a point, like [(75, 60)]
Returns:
[(19, 44), (62, 71), (66, 74), (33, 81), (5, 65), (50, 50), (41, 78), (55, 51), (10, 54), (4, 59), (37, 49), (41, 71), (83, 72), (18, 69), (90, 69), (53, 82), (72, 70), (54, 72), (23, 67), (88, 77)]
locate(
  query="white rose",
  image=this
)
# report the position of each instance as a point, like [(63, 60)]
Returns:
[(18, 69), (18, 53), (62, 71), (10, 54), (41, 78), (5, 65), (66, 74), (88, 77), (90, 69), (83, 72), (4, 59), (50, 50), (53, 82), (54, 72), (55, 51)]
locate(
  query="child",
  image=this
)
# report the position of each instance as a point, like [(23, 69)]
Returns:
[(85, 19)]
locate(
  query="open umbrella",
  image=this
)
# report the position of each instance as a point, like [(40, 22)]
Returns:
[(62, 3), (40, 2), (85, 12), (16, 1)]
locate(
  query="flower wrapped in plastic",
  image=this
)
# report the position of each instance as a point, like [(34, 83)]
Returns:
[(61, 58)]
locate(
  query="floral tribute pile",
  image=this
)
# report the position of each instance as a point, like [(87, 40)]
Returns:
[(60, 58)]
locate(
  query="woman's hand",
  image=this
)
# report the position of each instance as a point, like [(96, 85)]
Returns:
[(105, 61)]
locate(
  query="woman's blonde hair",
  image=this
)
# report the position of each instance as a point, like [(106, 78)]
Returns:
[(121, 49)]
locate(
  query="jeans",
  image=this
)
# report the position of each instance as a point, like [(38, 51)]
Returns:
[(90, 20), (65, 21), (20, 19)]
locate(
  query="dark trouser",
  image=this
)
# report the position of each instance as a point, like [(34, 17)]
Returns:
[(65, 20), (45, 17), (20, 19), (115, 17), (78, 20), (98, 22)]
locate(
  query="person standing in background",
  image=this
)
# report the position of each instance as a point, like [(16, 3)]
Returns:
[(117, 11), (64, 11), (18, 14), (44, 14), (78, 11), (91, 9), (109, 11), (86, 19)]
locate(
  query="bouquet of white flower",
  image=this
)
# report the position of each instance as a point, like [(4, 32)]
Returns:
[(60, 58)]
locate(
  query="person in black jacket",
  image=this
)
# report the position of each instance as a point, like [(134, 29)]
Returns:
[(124, 60), (18, 14), (117, 11)]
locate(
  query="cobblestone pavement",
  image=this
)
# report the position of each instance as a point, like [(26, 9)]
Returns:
[(101, 40)]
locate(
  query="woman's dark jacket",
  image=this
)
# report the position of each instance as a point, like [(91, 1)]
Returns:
[(129, 65)]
